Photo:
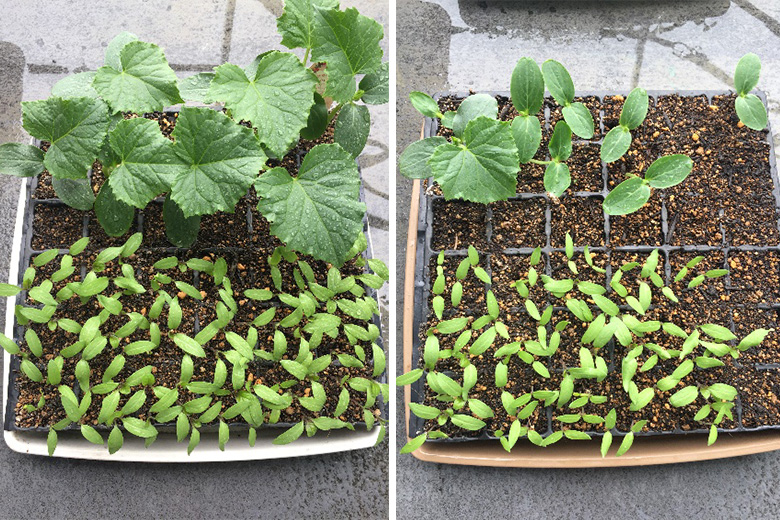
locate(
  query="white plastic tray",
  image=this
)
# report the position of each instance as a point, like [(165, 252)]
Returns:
[(165, 448)]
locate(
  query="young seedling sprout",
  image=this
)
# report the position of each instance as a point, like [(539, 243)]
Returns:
[(619, 312), (750, 109), (480, 159), (338, 308)]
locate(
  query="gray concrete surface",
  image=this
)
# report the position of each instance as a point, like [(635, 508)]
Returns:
[(462, 44), (41, 42)]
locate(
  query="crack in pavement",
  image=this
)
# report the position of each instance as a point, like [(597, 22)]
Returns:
[(770, 23)]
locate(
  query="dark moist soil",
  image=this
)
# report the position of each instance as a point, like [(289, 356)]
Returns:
[(581, 217), (458, 224), (242, 238), (727, 202), (519, 223)]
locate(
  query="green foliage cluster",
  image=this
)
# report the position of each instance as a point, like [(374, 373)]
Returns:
[(340, 307), (212, 160), (480, 161), (615, 313)]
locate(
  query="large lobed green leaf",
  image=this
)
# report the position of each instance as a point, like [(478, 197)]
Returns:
[(147, 165), (143, 82), (413, 162), (352, 128), (276, 99), (376, 86), (21, 160), (75, 86), (348, 43), (76, 129), (319, 211), (112, 56), (483, 169), (218, 161), (296, 25), (76, 193), (115, 216), (196, 87)]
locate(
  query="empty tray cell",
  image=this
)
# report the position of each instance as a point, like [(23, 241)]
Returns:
[(693, 220), (56, 226), (260, 233), (530, 178), (519, 223), (581, 217), (43, 187), (751, 219), (758, 392), (755, 276), (458, 224), (586, 168), (154, 226), (643, 227), (225, 229)]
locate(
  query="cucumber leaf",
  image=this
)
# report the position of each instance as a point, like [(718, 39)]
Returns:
[(76, 129), (20, 160), (147, 165), (217, 159), (143, 82), (318, 212), (413, 162), (348, 43), (483, 169), (276, 99)]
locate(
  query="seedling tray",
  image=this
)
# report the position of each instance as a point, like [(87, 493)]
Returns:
[(166, 449), (651, 447)]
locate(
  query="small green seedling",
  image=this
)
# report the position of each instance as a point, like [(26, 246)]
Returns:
[(633, 193), (749, 107), (618, 313)]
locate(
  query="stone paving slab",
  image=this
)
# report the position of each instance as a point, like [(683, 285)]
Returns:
[(462, 44), (75, 34)]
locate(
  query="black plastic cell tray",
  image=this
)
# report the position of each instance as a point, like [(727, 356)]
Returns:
[(27, 252), (425, 252)]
